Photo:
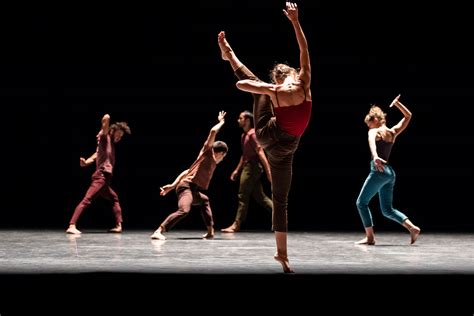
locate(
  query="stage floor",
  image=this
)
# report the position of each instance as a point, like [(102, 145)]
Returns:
[(53, 251), (114, 270)]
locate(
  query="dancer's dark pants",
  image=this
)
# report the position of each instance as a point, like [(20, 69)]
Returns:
[(279, 147), (189, 195)]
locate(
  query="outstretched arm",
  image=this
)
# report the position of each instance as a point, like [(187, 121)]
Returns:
[(87, 162), (105, 124), (215, 129), (167, 188), (406, 116), (103, 131), (291, 13)]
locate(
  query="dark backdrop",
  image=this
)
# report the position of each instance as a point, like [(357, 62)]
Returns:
[(61, 72)]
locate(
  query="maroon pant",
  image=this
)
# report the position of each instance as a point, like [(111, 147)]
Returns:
[(279, 147), (100, 186), (189, 195)]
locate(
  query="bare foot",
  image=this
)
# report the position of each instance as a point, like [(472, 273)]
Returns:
[(117, 229), (284, 263), (231, 229), (158, 235), (414, 232), (73, 230), (208, 235), (157, 245), (365, 241), (73, 237), (223, 45)]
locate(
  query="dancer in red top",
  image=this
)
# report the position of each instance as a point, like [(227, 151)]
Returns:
[(281, 110), (251, 165), (104, 157)]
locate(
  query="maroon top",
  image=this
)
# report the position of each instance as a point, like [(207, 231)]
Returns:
[(294, 119), (200, 172), (105, 153), (249, 146)]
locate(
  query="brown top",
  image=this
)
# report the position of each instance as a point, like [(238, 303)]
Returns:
[(202, 169)]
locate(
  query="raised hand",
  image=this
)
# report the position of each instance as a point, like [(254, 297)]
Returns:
[(291, 11), (221, 116), (395, 101)]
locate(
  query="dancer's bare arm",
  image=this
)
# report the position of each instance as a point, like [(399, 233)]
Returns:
[(400, 127), (238, 169), (87, 162), (215, 129), (167, 188), (105, 124), (291, 13), (379, 162), (257, 87)]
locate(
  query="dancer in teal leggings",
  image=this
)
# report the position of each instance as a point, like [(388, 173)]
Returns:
[(381, 179)]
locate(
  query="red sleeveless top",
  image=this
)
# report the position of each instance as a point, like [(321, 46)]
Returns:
[(294, 119)]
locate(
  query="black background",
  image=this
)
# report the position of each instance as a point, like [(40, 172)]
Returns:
[(159, 68)]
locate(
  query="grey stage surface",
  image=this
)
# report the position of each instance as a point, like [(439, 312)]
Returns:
[(241, 253), (42, 265)]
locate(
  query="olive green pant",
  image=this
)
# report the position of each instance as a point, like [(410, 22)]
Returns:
[(250, 185)]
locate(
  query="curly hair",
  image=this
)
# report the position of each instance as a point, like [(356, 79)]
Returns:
[(122, 126), (375, 112)]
